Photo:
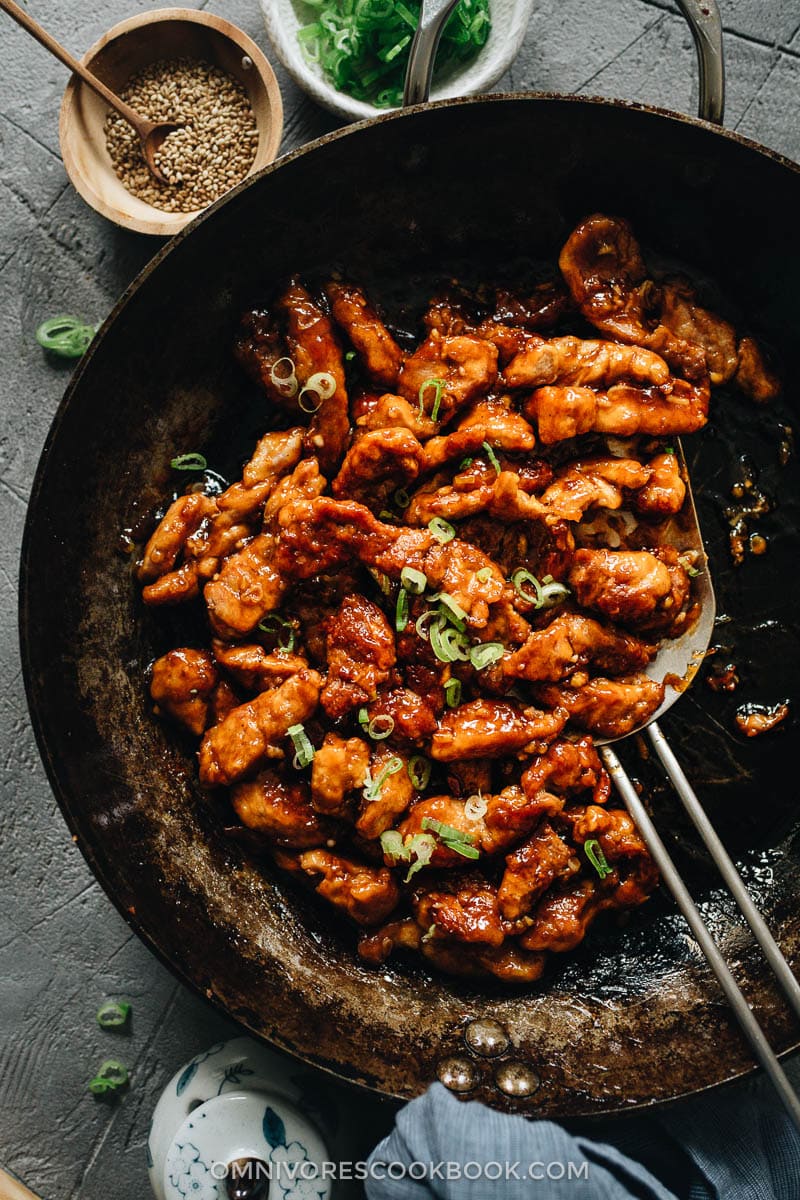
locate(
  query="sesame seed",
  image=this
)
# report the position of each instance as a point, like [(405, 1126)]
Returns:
[(212, 151)]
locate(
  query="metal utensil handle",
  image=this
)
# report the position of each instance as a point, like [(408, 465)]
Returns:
[(422, 55), (702, 15), (669, 873), (689, 800)]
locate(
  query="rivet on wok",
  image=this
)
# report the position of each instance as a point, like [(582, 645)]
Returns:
[(486, 1037), (457, 1074), (517, 1079)]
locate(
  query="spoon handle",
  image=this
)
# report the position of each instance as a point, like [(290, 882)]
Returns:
[(27, 22)]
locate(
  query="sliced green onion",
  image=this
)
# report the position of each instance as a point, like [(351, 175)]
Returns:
[(486, 655), (552, 592), (303, 748), (385, 515), (112, 1015), (453, 839), (442, 530), (419, 772), (413, 581), (286, 383), (350, 354), (545, 594), (321, 382), (401, 611), (437, 385), (597, 858), (452, 693), (372, 787), (273, 623), (401, 498), (421, 846), (493, 459), (305, 400), (451, 610), (475, 807), (428, 617), (393, 847), (66, 336), (448, 644), (693, 571), (465, 462), (484, 575), (669, 450), (380, 727), (111, 1076), (188, 462), (363, 719)]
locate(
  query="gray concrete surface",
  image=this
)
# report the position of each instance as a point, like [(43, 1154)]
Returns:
[(62, 945)]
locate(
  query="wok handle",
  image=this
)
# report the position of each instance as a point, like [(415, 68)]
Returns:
[(702, 15)]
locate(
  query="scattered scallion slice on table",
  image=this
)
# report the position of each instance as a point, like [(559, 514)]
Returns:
[(111, 1076), (65, 336), (113, 1015)]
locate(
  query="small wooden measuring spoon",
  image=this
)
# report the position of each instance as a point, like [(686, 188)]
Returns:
[(151, 133)]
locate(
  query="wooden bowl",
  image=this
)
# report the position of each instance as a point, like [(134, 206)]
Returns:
[(129, 47)]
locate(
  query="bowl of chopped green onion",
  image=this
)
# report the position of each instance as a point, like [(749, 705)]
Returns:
[(351, 55)]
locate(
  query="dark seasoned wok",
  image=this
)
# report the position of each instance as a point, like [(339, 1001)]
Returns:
[(480, 190)]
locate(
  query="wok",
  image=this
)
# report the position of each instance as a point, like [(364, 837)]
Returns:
[(479, 190)]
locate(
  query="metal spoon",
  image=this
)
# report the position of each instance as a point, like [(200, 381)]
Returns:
[(422, 55), (151, 133)]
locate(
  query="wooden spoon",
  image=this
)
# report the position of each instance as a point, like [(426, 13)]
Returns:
[(151, 133)]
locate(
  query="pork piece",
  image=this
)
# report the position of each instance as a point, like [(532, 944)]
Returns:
[(753, 375), (604, 270), (512, 814), (378, 351), (449, 811), (451, 313), (258, 347), (254, 668), (507, 962), (530, 870), (754, 719), (389, 412), (470, 778), (466, 911), (412, 717), (182, 686), (226, 523), (367, 894), (568, 768), (395, 795), (623, 410), (494, 729), (249, 584), (632, 587), (326, 532), (563, 916), (688, 322), (467, 367), (280, 810), (479, 488), (541, 309), (313, 347), (572, 360), (509, 340), (340, 767), (572, 641), (491, 421), (608, 707), (665, 491), (183, 518), (254, 731), (541, 548), (377, 463), (361, 654), (598, 482), (613, 828)]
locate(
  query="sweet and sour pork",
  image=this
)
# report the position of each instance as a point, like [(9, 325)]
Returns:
[(415, 630)]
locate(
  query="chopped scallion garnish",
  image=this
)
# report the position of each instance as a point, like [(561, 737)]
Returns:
[(452, 693), (401, 498), (321, 382), (465, 463), (273, 623), (66, 336), (304, 751), (452, 838), (112, 1015), (421, 847), (493, 459), (419, 771), (380, 727), (111, 1076), (401, 611), (544, 594), (475, 807), (413, 581), (283, 378), (373, 787), (597, 858), (486, 655), (188, 462), (484, 575), (451, 610), (442, 530), (393, 847)]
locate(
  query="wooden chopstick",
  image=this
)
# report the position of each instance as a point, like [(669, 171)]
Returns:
[(12, 1189)]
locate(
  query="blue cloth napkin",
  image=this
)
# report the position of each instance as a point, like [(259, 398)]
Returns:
[(734, 1143)]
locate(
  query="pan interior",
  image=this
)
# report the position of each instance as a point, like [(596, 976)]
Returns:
[(483, 191)]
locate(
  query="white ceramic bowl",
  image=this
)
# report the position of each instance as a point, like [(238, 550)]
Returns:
[(509, 22)]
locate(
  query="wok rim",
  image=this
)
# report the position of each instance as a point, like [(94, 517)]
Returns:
[(65, 800)]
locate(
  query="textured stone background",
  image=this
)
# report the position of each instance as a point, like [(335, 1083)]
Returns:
[(62, 945)]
